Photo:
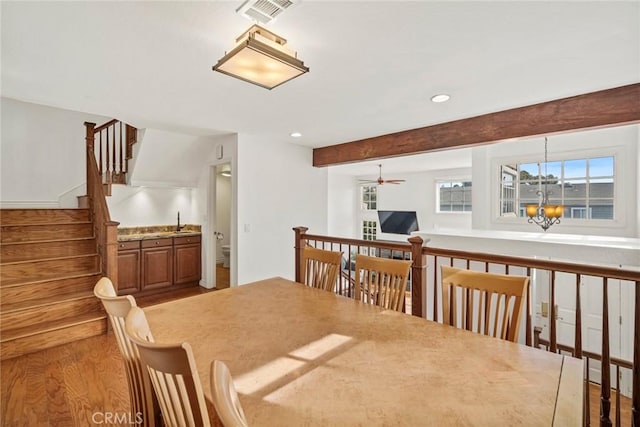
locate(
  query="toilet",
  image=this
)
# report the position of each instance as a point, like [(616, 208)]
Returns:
[(226, 250)]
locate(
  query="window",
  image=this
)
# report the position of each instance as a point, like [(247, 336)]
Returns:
[(369, 229), (368, 211), (369, 197), (453, 196), (585, 187)]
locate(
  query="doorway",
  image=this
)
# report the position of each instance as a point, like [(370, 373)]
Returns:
[(223, 251)]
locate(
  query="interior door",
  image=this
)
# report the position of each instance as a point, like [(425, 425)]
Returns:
[(591, 305), (224, 252)]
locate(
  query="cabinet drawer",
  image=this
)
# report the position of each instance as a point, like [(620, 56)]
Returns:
[(133, 244), (154, 243), (186, 239)]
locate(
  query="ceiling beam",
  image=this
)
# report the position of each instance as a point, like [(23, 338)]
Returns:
[(604, 108)]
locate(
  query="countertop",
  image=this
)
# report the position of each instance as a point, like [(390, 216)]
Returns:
[(158, 235)]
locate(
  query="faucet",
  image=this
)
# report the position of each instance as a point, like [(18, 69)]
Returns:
[(179, 227)]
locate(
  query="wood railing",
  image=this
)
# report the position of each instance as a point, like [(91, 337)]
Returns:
[(425, 297), (410, 251), (105, 230), (113, 148)]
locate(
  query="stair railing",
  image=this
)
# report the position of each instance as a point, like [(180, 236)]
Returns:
[(105, 230), (113, 148)]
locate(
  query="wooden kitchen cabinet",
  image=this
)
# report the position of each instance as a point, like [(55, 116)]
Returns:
[(187, 260), (157, 263), (147, 265), (128, 268)]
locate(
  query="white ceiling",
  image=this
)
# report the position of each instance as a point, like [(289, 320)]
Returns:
[(374, 65)]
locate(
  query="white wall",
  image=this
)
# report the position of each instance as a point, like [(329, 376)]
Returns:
[(417, 193), (278, 189), (622, 141), (637, 181), (169, 159), (42, 152), (146, 206), (341, 206)]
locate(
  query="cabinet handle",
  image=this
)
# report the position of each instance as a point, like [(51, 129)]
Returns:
[(122, 245), (157, 243)]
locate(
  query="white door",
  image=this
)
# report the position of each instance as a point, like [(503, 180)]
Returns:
[(591, 297), (221, 226)]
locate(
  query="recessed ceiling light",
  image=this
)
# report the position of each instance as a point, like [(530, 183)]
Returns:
[(440, 98), (296, 134)]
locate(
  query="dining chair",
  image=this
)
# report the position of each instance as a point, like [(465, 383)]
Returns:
[(225, 397), (320, 268), (144, 404), (381, 281), (484, 303), (173, 373)]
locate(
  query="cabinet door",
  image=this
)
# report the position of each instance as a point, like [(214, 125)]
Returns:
[(157, 267), (187, 263), (128, 272)]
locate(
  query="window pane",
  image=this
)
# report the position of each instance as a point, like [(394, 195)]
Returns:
[(601, 166), (454, 196), (601, 208), (601, 189), (553, 170), (584, 186), (529, 170), (575, 168)]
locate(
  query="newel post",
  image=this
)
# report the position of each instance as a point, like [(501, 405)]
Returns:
[(89, 138), (418, 275), (299, 245), (110, 257)]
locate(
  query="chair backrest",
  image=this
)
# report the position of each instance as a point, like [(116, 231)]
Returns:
[(381, 281), (173, 373), (225, 397), (143, 401), (484, 303), (320, 268)]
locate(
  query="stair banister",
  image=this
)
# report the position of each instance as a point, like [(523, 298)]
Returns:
[(106, 230)]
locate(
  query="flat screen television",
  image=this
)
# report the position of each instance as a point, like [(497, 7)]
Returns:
[(398, 222)]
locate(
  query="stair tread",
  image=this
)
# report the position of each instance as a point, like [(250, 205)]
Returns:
[(43, 224), (62, 277), (31, 242), (48, 259), (43, 302), (39, 328)]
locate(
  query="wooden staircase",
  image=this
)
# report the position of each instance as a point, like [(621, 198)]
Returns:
[(49, 265)]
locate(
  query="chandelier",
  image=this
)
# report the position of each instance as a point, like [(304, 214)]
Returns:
[(544, 214)]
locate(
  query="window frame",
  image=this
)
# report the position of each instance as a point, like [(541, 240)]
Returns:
[(618, 152), (440, 180), (367, 215)]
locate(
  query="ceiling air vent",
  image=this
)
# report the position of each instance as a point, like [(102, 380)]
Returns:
[(263, 11)]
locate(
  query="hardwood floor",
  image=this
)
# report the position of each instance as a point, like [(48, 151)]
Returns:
[(81, 383), (223, 276), (594, 407), (76, 384)]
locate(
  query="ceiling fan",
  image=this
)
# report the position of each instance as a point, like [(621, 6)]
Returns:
[(381, 181)]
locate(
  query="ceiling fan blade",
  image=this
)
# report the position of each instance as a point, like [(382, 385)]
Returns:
[(394, 181), (368, 181)]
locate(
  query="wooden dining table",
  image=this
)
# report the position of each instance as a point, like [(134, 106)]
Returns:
[(305, 357)]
